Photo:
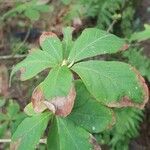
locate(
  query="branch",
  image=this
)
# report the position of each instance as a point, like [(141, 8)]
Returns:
[(12, 57), (42, 141), (112, 25)]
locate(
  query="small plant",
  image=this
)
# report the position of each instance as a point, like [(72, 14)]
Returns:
[(10, 118), (78, 96), (30, 9)]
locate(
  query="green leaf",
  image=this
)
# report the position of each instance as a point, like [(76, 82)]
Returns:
[(3, 117), (30, 131), (141, 36), (32, 14), (29, 110), (65, 135), (53, 46), (66, 2), (3, 129), (67, 41), (90, 114), (35, 62), (112, 81), (94, 42), (57, 83), (42, 8), (13, 108)]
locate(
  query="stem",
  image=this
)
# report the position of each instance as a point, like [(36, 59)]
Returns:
[(112, 25), (43, 141), (12, 56)]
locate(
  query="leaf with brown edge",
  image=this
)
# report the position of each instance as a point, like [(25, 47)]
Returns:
[(95, 144), (63, 105), (111, 81), (4, 80), (126, 102), (51, 44), (37, 100), (34, 63), (30, 130), (46, 35)]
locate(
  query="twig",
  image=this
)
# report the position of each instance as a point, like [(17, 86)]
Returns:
[(112, 25), (42, 141), (12, 57)]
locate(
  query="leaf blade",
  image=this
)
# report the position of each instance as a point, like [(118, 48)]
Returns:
[(112, 81), (27, 138), (57, 83), (34, 63), (90, 114), (65, 135), (94, 42)]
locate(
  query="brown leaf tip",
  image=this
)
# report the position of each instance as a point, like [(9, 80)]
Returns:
[(46, 35), (95, 144)]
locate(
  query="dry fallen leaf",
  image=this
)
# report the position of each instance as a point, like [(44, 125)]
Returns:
[(4, 84)]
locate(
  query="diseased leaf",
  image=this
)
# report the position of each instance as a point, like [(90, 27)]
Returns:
[(57, 83), (46, 35), (52, 45), (67, 41), (65, 135), (112, 81), (29, 132), (94, 42), (95, 143), (3, 80), (37, 100), (62, 106), (125, 101), (35, 62), (90, 114)]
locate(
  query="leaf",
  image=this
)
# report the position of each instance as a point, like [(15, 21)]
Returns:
[(35, 62), (37, 100), (57, 83), (94, 42), (3, 80), (141, 36), (29, 110), (111, 82), (67, 41), (62, 106), (65, 135), (42, 8), (52, 45), (66, 2), (32, 14), (29, 132), (90, 114), (13, 108)]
